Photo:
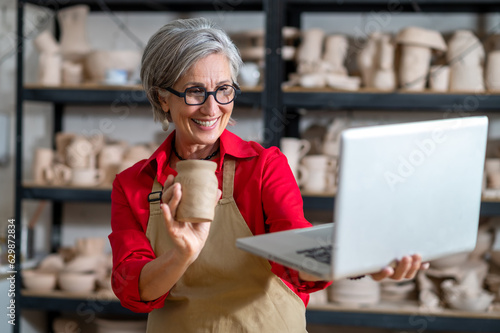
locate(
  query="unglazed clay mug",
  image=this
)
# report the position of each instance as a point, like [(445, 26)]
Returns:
[(294, 150), (199, 190), (316, 173)]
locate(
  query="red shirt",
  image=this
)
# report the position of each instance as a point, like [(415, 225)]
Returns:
[(265, 192)]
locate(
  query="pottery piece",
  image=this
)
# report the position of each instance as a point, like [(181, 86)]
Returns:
[(49, 69), (42, 161), (467, 295), (342, 82), (98, 63), (46, 43), (90, 246), (384, 76), (72, 73), (294, 149), (77, 282), (466, 56), (74, 43), (80, 153), (199, 190), (310, 51), (312, 80), (316, 174), (335, 53), (83, 264), (439, 79), (120, 326), (65, 325), (249, 75), (493, 72), (450, 261), (366, 60), (109, 160), (87, 177), (397, 290), (52, 263), (39, 281), (417, 45), (58, 174), (63, 139), (354, 292), (483, 243)]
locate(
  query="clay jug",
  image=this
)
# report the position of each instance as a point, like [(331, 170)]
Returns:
[(199, 190)]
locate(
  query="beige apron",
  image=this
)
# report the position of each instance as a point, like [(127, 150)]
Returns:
[(225, 289)]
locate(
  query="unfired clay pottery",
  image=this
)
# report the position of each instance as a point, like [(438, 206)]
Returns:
[(49, 69), (310, 51), (467, 295), (52, 263), (109, 160), (466, 56), (493, 72), (249, 75), (397, 290), (46, 43), (90, 246), (73, 22), (97, 63), (72, 73), (483, 243), (335, 53), (450, 261), (428, 293), (65, 325), (81, 264), (417, 44), (294, 149), (77, 282), (42, 161), (80, 154), (364, 291), (439, 78), (39, 281), (384, 77), (199, 190), (87, 177), (58, 174), (316, 174)]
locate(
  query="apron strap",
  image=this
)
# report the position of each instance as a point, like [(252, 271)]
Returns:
[(154, 198), (228, 178)]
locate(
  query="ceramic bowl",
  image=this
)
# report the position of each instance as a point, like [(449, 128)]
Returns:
[(39, 281), (82, 264), (99, 62), (77, 282), (52, 263), (120, 326)]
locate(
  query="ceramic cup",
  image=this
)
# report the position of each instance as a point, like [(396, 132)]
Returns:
[(199, 190), (439, 79), (87, 177), (316, 173), (294, 150)]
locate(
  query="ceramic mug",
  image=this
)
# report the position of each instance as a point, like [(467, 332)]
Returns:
[(294, 149), (199, 190), (87, 177), (317, 173)]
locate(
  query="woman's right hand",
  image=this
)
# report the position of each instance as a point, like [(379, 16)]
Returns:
[(189, 238)]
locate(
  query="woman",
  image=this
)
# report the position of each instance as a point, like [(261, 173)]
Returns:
[(190, 276)]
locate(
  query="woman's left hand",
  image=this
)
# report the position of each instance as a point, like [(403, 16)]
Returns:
[(406, 268)]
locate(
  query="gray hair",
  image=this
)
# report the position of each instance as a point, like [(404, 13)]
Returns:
[(177, 46)]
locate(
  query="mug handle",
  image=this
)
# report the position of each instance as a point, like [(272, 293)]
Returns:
[(100, 177), (305, 146), (302, 175)]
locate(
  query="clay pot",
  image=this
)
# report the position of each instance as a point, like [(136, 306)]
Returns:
[(73, 21), (98, 63), (199, 190), (77, 282), (354, 292), (39, 281)]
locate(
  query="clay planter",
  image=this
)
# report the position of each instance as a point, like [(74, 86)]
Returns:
[(199, 190), (98, 63)]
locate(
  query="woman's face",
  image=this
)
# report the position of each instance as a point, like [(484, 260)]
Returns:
[(201, 124)]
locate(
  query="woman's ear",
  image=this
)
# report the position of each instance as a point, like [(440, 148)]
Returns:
[(162, 98)]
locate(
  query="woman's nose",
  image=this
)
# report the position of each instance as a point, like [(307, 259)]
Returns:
[(210, 106)]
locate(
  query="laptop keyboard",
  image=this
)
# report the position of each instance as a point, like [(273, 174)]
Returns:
[(322, 254)]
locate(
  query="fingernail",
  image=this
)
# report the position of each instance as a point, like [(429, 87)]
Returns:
[(425, 265)]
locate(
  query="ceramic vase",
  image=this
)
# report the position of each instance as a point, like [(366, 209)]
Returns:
[(335, 53), (310, 51), (199, 190), (466, 56)]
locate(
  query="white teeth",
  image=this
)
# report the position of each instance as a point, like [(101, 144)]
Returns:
[(205, 123)]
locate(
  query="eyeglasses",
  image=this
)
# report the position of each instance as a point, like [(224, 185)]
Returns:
[(198, 95)]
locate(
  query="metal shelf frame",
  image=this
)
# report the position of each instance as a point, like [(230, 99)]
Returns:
[(275, 103)]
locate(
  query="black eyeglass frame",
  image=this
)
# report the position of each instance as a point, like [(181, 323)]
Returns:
[(237, 91)]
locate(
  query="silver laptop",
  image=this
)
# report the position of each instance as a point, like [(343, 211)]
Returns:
[(402, 189)]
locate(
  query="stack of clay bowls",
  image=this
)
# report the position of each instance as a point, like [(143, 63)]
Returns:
[(359, 292)]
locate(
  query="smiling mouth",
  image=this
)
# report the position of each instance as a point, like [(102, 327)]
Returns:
[(205, 123)]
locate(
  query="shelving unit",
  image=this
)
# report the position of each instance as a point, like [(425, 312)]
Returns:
[(276, 104)]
